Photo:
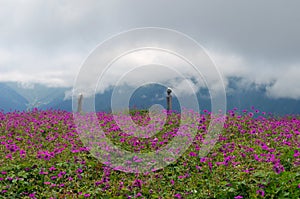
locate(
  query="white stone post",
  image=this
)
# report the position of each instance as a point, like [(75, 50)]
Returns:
[(79, 107)]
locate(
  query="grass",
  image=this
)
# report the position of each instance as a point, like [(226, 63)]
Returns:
[(42, 156)]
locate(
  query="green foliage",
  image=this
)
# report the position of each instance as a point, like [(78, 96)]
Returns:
[(75, 173)]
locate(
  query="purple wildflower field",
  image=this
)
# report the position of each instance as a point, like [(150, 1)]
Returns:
[(257, 156)]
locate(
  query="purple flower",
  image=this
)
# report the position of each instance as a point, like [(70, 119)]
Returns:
[(87, 195), (98, 183), (138, 183), (193, 154), (22, 153), (8, 156), (296, 153), (32, 195), (172, 182), (261, 192), (52, 168), (181, 177), (120, 187), (79, 170), (137, 159), (278, 168), (61, 174), (238, 197), (220, 163), (257, 158), (210, 166)]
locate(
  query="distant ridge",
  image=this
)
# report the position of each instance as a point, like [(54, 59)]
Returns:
[(10, 100), (145, 97)]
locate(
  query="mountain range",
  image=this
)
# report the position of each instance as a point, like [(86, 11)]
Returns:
[(14, 96)]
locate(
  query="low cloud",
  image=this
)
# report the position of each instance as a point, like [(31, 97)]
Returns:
[(47, 42)]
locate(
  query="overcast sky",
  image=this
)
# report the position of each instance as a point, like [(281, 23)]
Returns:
[(47, 41)]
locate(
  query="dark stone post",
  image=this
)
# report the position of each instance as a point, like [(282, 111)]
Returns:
[(169, 100)]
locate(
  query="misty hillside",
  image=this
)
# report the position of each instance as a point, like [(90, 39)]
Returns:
[(143, 98), (10, 99)]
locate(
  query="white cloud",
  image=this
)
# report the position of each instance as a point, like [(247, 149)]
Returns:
[(52, 69), (47, 41), (280, 81), (287, 84)]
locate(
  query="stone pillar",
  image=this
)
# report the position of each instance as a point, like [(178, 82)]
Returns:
[(79, 107), (169, 100)]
